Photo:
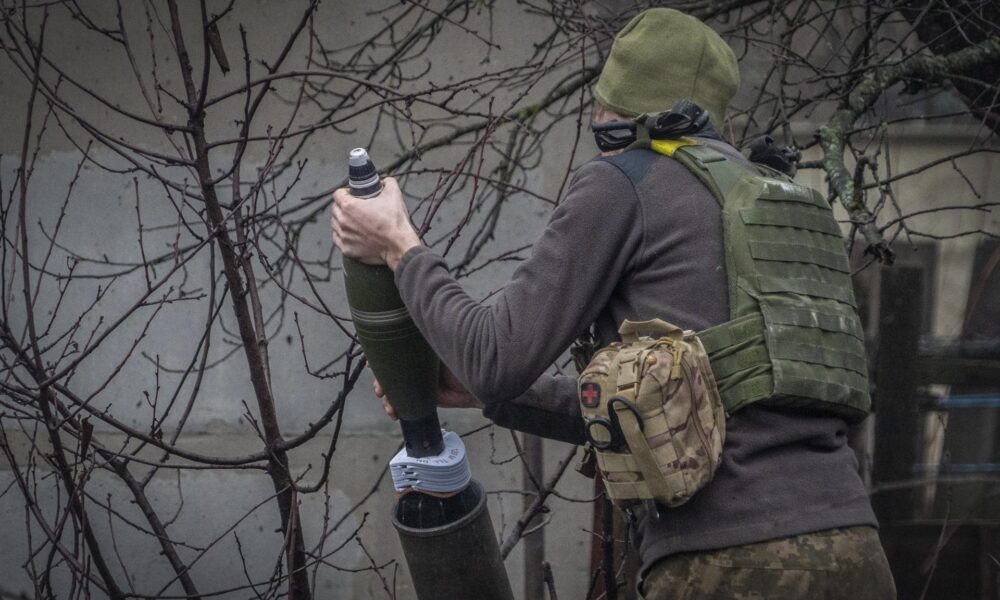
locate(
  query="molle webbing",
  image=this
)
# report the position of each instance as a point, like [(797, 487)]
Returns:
[(794, 338), (653, 414)]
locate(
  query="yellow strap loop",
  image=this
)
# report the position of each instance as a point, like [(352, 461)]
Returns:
[(668, 147)]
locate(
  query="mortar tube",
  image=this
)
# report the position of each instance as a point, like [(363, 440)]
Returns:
[(459, 558)]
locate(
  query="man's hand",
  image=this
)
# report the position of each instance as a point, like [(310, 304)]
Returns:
[(451, 394), (373, 230)]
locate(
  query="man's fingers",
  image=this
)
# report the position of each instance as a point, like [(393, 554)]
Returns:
[(338, 213), (340, 196), (340, 223), (337, 240), (335, 222), (389, 410), (447, 399), (337, 228), (342, 202)]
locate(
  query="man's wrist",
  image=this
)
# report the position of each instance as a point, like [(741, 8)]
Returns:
[(402, 244)]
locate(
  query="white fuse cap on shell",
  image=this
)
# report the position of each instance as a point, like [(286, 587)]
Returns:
[(357, 157), (362, 176)]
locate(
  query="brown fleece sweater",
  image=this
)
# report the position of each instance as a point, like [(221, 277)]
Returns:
[(615, 250)]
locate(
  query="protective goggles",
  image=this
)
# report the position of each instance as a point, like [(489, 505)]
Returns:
[(613, 135), (685, 118)]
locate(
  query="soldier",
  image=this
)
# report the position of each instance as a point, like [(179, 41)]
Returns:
[(639, 236)]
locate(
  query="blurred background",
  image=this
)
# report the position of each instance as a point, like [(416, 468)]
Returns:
[(183, 409)]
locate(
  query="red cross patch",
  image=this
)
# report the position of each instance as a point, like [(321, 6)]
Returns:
[(590, 394)]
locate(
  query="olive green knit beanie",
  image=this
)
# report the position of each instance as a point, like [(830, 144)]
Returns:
[(663, 56)]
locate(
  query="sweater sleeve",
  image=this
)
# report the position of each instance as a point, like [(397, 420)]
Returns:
[(549, 408), (497, 351)]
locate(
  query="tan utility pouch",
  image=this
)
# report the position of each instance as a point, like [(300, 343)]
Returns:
[(653, 415)]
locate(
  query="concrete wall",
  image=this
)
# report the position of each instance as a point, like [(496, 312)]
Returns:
[(223, 514)]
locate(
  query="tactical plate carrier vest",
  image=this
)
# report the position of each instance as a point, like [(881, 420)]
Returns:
[(654, 406), (794, 338)]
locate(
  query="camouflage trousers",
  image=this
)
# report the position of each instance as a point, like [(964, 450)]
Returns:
[(835, 564)]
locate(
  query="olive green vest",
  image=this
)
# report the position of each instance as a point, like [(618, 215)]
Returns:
[(794, 338)]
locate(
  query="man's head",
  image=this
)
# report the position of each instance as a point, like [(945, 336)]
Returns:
[(663, 56)]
